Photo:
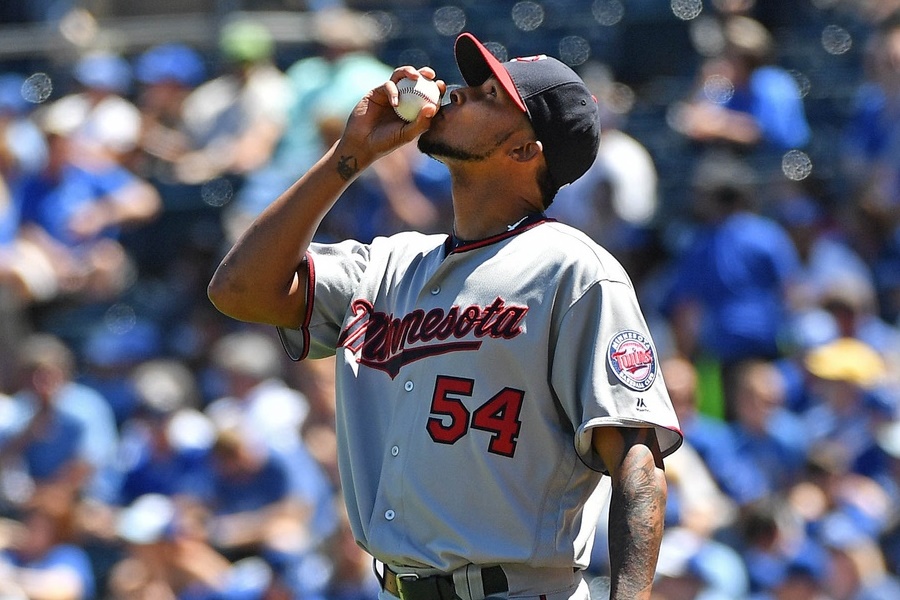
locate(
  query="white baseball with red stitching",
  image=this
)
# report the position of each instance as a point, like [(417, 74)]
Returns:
[(414, 96)]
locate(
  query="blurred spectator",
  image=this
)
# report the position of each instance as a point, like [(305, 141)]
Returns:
[(250, 365), (695, 567), (695, 501), (616, 201), (38, 558), (768, 435), (405, 190), (164, 449), (728, 297), (250, 369), (109, 352), (236, 118), (870, 167), (854, 306), (807, 330), (775, 547), (166, 443), (801, 580), (27, 274), (75, 209), (742, 100), (872, 137), (168, 555), (22, 145), (826, 255), (166, 74), (848, 408), (100, 117), (254, 508), (875, 222), (858, 570), (324, 87), (61, 433), (845, 514), (712, 439)]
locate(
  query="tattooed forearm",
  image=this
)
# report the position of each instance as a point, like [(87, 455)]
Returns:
[(637, 511), (347, 167)]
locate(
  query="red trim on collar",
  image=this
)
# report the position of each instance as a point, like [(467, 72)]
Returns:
[(475, 244)]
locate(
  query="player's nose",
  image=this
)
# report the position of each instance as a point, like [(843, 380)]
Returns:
[(451, 95)]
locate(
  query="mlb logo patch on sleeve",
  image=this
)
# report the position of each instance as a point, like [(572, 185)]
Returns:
[(632, 359)]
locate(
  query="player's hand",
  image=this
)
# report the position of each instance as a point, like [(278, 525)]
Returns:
[(374, 129)]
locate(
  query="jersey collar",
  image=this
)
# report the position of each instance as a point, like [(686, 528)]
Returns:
[(457, 244)]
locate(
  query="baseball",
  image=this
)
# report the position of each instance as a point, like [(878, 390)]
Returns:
[(414, 95)]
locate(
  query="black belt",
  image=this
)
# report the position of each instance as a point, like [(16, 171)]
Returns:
[(439, 587)]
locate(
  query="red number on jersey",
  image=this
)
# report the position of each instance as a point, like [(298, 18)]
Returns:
[(443, 404), (499, 415)]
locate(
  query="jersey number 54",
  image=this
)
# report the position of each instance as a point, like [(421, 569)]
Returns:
[(499, 416)]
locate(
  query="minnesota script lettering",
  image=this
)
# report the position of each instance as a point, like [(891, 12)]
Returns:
[(387, 343)]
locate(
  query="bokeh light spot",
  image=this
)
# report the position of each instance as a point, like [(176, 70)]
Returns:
[(37, 88), (718, 89), (217, 192), (528, 15), (687, 10), (608, 12), (796, 165), (574, 50), (449, 20), (836, 40), (120, 318)]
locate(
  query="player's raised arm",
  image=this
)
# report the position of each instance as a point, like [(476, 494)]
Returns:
[(261, 279), (637, 508)]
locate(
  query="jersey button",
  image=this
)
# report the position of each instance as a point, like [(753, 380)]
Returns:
[(408, 386), (436, 290), (389, 515), (395, 450)]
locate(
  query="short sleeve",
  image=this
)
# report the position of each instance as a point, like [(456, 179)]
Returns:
[(334, 273), (606, 370)]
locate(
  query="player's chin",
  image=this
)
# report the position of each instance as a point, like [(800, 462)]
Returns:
[(431, 143)]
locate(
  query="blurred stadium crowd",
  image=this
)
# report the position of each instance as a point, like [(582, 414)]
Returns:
[(749, 179)]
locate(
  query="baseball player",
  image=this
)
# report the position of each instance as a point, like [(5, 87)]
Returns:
[(486, 380)]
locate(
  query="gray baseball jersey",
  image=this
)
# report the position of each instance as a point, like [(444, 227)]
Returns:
[(468, 383)]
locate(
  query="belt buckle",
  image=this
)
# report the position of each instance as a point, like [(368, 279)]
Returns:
[(411, 586), (401, 579)]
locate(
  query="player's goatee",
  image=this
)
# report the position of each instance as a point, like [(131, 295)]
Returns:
[(437, 149)]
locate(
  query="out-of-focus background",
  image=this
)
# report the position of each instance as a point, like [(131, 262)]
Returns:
[(748, 179)]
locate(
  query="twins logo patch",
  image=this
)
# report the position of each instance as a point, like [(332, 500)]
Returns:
[(632, 359)]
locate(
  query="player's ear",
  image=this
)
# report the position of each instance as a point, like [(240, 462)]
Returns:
[(527, 151)]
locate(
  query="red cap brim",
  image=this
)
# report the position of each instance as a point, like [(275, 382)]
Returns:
[(476, 64)]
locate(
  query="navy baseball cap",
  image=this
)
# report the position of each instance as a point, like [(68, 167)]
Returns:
[(563, 112)]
